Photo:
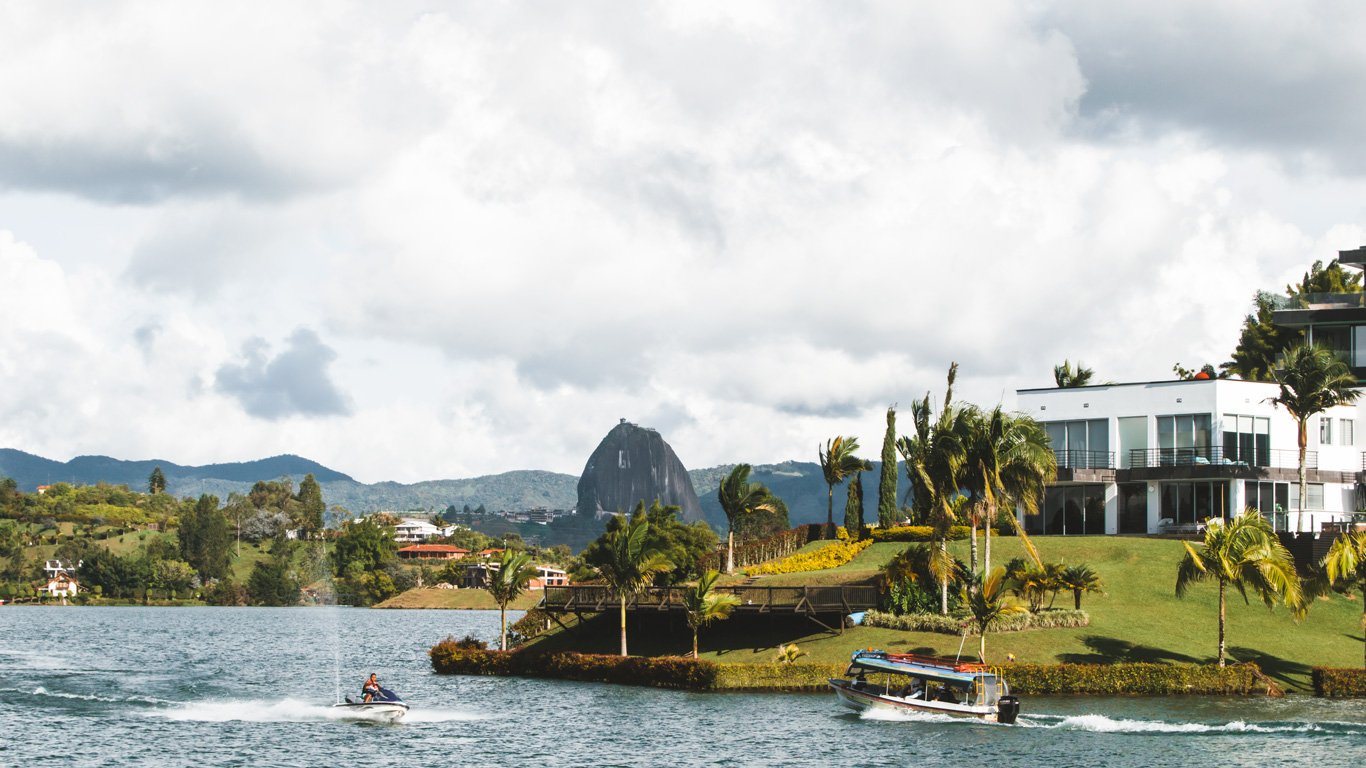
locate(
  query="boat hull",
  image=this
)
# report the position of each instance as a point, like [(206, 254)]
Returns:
[(869, 698), (382, 711)]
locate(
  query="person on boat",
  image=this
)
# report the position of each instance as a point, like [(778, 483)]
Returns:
[(370, 688)]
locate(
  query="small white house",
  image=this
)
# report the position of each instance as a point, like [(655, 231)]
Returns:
[(61, 585)]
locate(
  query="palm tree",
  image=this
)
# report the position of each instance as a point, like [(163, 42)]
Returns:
[(839, 460), (739, 497), (986, 604), (1312, 380), (1242, 553), (1345, 565), (704, 605), (934, 458), (629, 567), (1066, 376), (1079, 579), (514, 571)]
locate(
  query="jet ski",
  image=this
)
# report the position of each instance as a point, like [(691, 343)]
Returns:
[(385, 706)]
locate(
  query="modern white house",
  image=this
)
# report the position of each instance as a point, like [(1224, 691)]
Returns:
[(1164, 456), (414, 530)]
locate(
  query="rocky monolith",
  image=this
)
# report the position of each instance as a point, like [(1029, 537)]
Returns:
[(633, 464)]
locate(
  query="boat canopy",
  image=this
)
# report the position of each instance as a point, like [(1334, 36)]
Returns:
[(919, 666)]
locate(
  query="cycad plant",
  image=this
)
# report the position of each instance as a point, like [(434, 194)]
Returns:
[(705, 605), (1079, 579), (1345, 567), (1244, 554), (986, 603), (514, 572), (629, 567), (1312, 380)]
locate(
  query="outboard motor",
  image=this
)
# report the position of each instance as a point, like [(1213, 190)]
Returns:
[(1007, 709)]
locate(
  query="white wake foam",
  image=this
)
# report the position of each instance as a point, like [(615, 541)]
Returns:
[(293, 711), (1104, 724), (41, 691), (910, 716)]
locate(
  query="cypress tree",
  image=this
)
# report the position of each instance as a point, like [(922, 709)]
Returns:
[(853, 508), (311, 501), (886, 488)]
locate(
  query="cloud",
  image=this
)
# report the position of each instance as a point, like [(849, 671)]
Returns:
[(293, 383)]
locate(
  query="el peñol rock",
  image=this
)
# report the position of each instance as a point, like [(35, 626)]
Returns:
[(632, 464)]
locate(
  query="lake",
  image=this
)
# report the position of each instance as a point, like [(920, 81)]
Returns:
[(252, 687)]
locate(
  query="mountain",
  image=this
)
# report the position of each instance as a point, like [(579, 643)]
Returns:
[(800, 484), (633, 464)]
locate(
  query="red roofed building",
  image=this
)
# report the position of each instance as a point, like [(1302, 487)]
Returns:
[(432, 552)]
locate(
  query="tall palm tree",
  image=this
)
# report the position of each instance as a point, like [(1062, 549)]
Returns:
[(986, 604), (1312, 380), (1345, 565), (705, 605), (1026, 465), (629, 566), (1079, 579), (1066, 376), (514, 571), (740, 497), (839, 460), (1242, 553), (934, 458)]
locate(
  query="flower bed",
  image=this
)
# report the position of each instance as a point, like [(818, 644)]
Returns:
[(832, 555)]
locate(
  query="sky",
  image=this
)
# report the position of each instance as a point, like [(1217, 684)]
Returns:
[(427, 240)]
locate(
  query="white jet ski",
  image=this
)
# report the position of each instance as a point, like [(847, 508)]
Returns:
[(386, 706)]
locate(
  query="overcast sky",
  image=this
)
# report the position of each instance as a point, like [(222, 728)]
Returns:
[(437, 240)]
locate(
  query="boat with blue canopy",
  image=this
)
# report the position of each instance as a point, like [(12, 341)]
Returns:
[(907, 682)]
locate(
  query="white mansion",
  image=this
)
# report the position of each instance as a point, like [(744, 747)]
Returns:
[(1164, 456)]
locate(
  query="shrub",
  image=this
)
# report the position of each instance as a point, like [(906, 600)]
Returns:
[(832, 555), (953, 624), (527, 627), (1136, 679), (448, 658), (917, 533), (776, 677), (1331, 681)]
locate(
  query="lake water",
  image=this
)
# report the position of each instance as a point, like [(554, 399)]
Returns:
[(252, 687)]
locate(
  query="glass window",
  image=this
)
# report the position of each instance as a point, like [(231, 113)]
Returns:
[(1325, 431), (1359, 346), (1313, 496), (1133, 508), (1347, 432), (1073, 509)]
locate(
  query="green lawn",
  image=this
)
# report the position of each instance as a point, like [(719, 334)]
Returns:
[(1138, 619), (457, 598)]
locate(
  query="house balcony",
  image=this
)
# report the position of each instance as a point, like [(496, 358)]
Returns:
[(1085, 466), (1213, 462)]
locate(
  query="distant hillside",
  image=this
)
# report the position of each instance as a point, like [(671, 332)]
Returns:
[(798, 483)]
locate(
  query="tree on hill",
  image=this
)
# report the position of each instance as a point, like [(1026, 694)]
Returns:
[(839, 460), (272, 582), (156, 482), (204, 538), (1244, 554), (1079, 579), (627, 565), (986, 603), (853, 508), (704, 605), (362, 546), (740, 498), (764, 522), (1261, 340), (1312, 380), (683, 545), (887, 511), (311, 506)]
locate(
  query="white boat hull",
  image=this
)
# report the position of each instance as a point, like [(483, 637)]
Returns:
[(382, 711), (872, 698)]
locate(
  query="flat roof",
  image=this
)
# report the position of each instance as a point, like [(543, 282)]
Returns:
[(1137, 384)]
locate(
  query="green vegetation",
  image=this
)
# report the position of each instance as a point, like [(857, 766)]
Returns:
[(704, 605), (830, 555), (888, 513), (1340, 682), (1261, 340), (1344, 569), (740, 498), (953, 625), (514, 572), (1066, 376), (839, 460), (626, 564), (986, 605)]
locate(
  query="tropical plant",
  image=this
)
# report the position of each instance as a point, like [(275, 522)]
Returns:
[(739, 497), (853, 509), (1079, 579), (839, 460), (1066, 376), (909, 579), (1243, 553), (887, 511), (788, 654), (1345, 567), (1007, 460), (507, 584), (1312, 380), (704, 605), (986, 605), (934, 458), (1033, 582), (628, 566)]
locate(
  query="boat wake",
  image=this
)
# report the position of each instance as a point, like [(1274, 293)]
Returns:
[(1104, 724), (912, 716), (291, 711), (40, 691)]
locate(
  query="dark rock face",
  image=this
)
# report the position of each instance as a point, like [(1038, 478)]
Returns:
[(632, 464)]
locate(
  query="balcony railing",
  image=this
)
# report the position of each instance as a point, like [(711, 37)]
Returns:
[(1314, 300), (1215, 456), (1069, 459)]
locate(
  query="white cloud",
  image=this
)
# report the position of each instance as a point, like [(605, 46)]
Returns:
[(507, 226)]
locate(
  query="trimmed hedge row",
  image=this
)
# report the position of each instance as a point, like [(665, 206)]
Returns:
[(1138, 679), (810, 677), (917, 533), (449, 658), (953, 625), (1339, 681), (833, 555)]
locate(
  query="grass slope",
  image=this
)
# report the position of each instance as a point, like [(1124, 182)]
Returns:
[(477, 599), (1139, 619)]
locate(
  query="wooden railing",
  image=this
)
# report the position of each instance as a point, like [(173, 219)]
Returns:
[(804, 600)]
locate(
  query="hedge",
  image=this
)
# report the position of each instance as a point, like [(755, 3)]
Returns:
[(1339, 681), (917, 533), (449, 658), (811, 677), (953, 625), (832, 555), (1138, 679)]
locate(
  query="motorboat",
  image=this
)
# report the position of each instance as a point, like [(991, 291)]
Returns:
[(385, 706), (907, 682)]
